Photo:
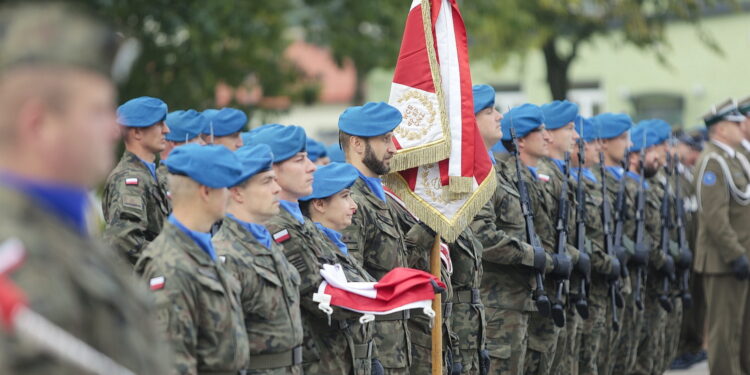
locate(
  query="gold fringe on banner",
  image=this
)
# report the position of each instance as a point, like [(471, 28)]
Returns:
[(459, 184), (437, 150), (449, 228)]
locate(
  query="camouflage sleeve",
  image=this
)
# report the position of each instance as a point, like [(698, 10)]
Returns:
[(419, 246), (600, 260), (174, 315), (714, 213), (499, 247), (126, 218), (354, 235)]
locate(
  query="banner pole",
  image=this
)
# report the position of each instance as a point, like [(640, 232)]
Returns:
[(437, 325)]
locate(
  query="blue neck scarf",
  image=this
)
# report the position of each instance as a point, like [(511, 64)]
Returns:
[(293, 208), (533, 171), (335, 237), (637, 178), (560, 164), (616, 171), (151, 167), (258, 231), (375, 185), (492, 157), (68, 203), (586, 174), (202, 239)]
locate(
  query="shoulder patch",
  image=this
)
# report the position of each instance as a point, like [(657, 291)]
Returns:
[(132, 201), (709, 178), (157, 283), (281, 236), (131, 181)]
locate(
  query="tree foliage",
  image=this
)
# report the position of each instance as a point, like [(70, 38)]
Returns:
[(559, 28)]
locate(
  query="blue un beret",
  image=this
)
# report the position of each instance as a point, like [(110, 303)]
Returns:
[(559, 113), (254, 159), (214, 166), (225, 121), (586, 129), (643, 136), (524, 119), (141, 112), (611, 125), (662, 129), (284, 141), (484, 96), (335, 153), (331, 179), (370, 120), (185, 125), (315, 150)]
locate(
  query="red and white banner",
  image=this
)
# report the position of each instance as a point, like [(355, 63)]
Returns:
[(432, 89)]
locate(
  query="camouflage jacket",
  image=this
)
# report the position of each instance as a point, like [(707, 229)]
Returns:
[(135, 207), (327, 348), (270, 290), (376, 241), (552, 187), (507, 259), (198, 304), (76, 283), (601, 262)]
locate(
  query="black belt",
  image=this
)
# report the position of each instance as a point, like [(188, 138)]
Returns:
[(401, 315), (276, 360), (467, 296)]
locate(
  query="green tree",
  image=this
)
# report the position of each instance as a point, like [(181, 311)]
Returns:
[(366, 31), (559, 27), (189, 46)]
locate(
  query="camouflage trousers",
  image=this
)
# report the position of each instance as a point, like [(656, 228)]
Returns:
[(394, 346), (540, 353), (339, 350), (507, 338), (608, 343), (594, 329), (694, 318), (651, 343), (626, 350), (565, 361), (671, 334), (421, 345), (468, 323)]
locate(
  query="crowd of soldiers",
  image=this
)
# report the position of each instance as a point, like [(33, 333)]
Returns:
[(600, 251)]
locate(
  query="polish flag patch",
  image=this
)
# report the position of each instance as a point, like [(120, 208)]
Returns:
[(543, 177), (157, 283), (281, 236), (131, 181)]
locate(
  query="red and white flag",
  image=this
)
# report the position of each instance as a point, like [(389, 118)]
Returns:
[(444, 187), (400, 289)]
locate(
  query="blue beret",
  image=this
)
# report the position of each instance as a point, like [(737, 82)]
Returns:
[(611, 125), (524, 119), (209, 112), (225, 121), (370, 120), (284, 141), (315, 150), (499, 148), (586, 129), (141, 112), (331, 179), (559, 113), (214, 166), (335, 153), (643, 136), (662, 129), (254, 159), (185, 125), (484, 96)]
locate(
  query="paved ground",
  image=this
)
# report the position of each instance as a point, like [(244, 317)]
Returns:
[(699, 369)]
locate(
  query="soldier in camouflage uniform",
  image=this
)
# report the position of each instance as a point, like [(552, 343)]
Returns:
[(184, 127), (508, 262), (134, 201), (197, 298), (375, 238), (55, 64), (336, 344), (604, 267), (270, 284)]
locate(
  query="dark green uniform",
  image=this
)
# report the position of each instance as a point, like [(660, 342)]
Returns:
[(344, 346), (135, 205), (75, 283), (270, 299), (198, 305), (376, 241)]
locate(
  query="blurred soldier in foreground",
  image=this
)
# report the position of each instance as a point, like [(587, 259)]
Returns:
[(57, 137)]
